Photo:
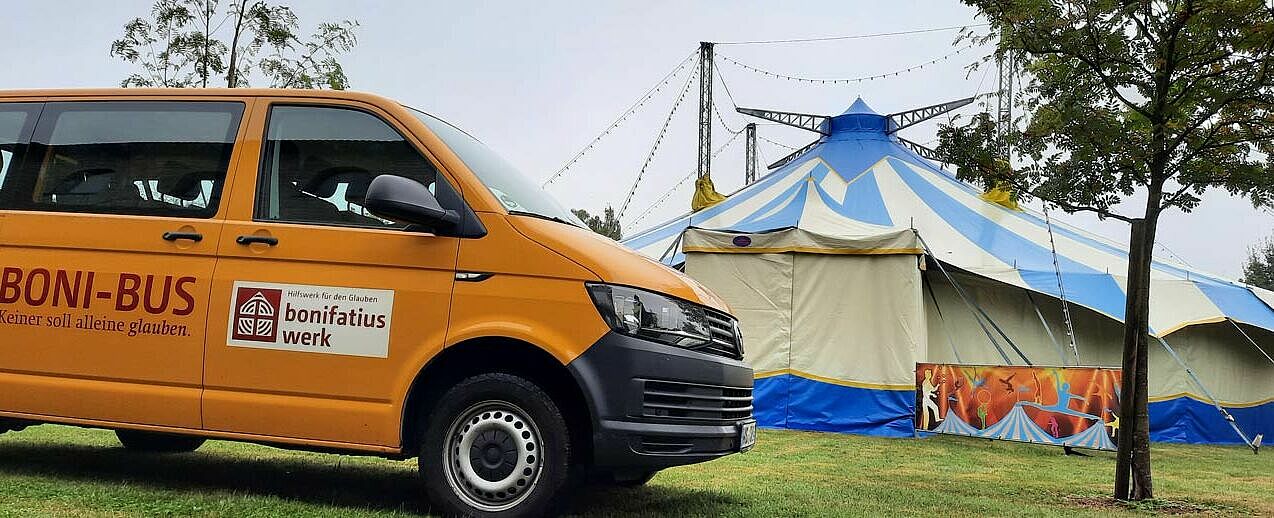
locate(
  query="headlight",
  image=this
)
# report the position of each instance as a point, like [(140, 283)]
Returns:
[(652, 316)]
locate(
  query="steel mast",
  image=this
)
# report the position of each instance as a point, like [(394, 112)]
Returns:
[(749, 154), (705, 109)]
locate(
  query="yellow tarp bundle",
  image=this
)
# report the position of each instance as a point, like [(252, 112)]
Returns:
[(705, 195), (1002, 195)]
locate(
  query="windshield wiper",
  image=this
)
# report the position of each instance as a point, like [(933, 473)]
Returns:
[(541, 216)]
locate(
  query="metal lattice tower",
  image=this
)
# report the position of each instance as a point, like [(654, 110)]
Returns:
[(705, 109), (749, 154), (1004, 107)]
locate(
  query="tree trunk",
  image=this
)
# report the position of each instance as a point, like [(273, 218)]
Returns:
[(233, 73), (207, 29), (1132, 467)]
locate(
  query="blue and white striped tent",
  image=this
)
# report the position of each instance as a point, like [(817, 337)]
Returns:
[(861, 179)]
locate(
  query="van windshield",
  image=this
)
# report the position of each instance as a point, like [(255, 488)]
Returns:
[(515, 191)]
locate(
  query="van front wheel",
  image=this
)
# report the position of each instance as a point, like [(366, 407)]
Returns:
[(496, 444), (152, 442)]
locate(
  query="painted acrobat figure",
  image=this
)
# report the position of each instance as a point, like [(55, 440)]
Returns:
[(929, 400), (1064, 398)]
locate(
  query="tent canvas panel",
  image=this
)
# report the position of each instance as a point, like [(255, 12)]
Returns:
[(759, 290), (801, 403), (858, 319), (833, 333), (1012, 310)]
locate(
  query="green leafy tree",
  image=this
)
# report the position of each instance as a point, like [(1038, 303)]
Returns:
[(606, 224), (1259, 268), (197, 43), (1150, 102)]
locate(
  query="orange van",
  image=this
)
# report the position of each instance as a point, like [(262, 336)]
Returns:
[(337, 271)]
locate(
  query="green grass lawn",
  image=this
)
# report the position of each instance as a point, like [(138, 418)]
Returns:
[(54, 470)]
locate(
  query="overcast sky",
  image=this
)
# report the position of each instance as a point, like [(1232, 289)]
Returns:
[(537, 81)]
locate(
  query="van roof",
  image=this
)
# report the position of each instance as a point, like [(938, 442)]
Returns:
[(195, 92), (215, 92)]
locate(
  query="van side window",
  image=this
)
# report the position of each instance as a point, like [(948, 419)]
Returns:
[(16, 122), (318, 162), (127, 157)]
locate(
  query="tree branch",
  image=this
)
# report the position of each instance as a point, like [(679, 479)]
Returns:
[(1066, 206), (1069, 207), (1096, 69), (1092, 38), (309, 58)]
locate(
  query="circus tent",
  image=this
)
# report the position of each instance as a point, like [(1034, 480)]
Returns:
[(859, 181)]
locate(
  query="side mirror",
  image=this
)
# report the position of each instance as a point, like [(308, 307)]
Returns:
[(407, 201)]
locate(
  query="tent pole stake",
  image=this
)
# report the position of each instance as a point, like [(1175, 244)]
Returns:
[(1254, 445)]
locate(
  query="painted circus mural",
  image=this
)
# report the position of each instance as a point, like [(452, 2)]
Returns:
[(1064, 406)]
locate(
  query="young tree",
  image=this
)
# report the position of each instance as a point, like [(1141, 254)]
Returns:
[(183, 44), (1150, 102), (606, 225), (1259, 268)]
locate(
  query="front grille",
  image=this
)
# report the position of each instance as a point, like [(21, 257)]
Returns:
[(725, 336), (678, 400)]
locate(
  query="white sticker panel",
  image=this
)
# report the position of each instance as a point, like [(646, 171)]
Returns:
[(314, 319)]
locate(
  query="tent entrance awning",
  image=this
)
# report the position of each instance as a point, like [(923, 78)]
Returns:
[(887, 241)]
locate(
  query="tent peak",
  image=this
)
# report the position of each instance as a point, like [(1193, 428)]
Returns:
[(859, 107), (860, 118)]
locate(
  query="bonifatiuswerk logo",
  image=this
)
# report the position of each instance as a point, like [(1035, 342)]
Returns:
[(256, 314)]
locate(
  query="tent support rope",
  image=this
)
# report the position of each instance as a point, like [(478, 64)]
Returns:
[(1255, 445), (1003, 335), (1060, 352), (942, 320), (1061, 287), (1249, 339), (672, 249), (977, 310)]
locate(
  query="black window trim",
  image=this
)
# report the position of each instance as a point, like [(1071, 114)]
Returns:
[(216, 201), (24, 141), (470, 227)]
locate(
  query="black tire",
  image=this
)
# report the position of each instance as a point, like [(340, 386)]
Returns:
[(153, 442), (527, 449)]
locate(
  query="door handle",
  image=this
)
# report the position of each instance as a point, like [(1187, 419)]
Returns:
[(254, 240), (174, 236)]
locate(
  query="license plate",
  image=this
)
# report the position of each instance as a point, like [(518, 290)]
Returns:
[(747, 435)]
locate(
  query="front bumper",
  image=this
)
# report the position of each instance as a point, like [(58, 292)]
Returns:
[(655, 406)]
